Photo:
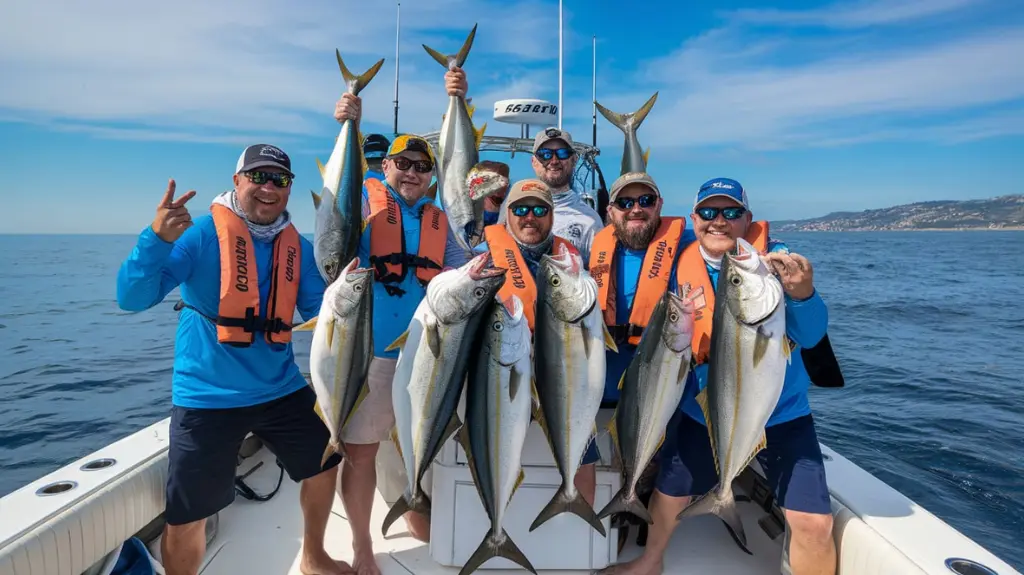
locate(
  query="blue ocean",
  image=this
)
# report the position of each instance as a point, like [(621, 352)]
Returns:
[(928, 328)]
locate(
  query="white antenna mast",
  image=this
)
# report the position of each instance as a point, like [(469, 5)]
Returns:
[(398, 26), (559, 64)]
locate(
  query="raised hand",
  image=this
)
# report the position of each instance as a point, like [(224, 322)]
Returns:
[(455, 82), (348, 107), (795, 273), (172, 217)]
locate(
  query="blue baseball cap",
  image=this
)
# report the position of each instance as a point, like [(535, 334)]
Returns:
[(375, 146), (724, 187)]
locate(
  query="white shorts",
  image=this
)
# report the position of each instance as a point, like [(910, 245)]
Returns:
[(373, 420)]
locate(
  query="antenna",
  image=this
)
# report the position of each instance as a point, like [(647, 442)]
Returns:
[(398, 28), (559, 64), (593, 174)]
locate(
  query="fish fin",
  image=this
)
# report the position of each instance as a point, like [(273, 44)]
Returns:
[(316, 199), (762, 444), (787, 349), (456, 60), (306, 326), (684, 370), (470, 108), (613, 430), (433, 338), (363, 392), (418, 503), (496, 545), (329, 326), (319, 412), (478, 135), (454, 425), (320, 166), (609, 341), (519, 481), (394, 439), (761, 341), (626, 501), (622, 380), (702, 401), (437, 56), (720, 503), (647, 154), (563, 502), (515, 381), (357, 83), (399, 341), (330, 450)]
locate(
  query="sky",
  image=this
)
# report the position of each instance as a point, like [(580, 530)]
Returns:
[(814, 106)]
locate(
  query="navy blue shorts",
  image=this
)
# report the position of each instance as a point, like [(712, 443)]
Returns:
[(204, 446), (792, 463)]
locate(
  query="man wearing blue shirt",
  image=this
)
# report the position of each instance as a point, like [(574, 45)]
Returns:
[(407, 240), (792, 460), (234, 369)]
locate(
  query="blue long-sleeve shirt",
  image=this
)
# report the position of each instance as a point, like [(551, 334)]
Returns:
[(208, 374), (806, 324)]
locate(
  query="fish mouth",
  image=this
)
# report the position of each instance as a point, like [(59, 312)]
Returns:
[(481, 270)]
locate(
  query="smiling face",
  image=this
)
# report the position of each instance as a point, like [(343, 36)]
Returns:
[(554, 172), (719, 235), (403, 173), (529, 228), (262, 202), (635, 225)]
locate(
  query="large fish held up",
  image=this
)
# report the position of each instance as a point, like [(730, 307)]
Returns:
[(341, 350), (569, 363), (338, 221), (459, 151), (747, 367), (651, 388), (498, 409), (634, 159), (431, 370)]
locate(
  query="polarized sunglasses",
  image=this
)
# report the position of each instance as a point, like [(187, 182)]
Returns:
[(545, 154), (645, 201), (260, 178), (538, 211), (403, 163), (730, 213)]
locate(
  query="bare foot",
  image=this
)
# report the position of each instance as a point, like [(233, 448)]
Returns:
[(642, 565), (364, 563), (322, 564)]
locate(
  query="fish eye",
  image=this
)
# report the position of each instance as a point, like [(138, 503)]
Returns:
[(329, 268), (555, 281), (735, 280), (479, 292), (673, 317), (498, 326), (358, 287)]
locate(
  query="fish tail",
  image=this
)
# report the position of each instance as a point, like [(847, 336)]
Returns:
[(357, 83), (632, 120), (626, 501), (563, 502), (406, 503), (723, 505), (458, 59), (500, 545)]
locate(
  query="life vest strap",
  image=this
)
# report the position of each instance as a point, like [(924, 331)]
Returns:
[(380, 264), (251, 323), (621, 333)]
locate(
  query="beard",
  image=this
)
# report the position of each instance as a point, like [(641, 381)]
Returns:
[(636, 238), (559, 181)]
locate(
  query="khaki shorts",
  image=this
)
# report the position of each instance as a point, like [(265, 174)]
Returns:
[(373, 420), (391, 477)]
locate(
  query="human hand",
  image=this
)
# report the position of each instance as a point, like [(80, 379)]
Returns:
[(455, 82), (348, 107), (795, 273), (172, 217)]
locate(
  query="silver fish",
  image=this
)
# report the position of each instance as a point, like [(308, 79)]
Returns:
[(651, 388), (569, 360), (431, 370), (459, 151), (338, 222), (746, 370), (498, 409), (341, 350), (633, 158)]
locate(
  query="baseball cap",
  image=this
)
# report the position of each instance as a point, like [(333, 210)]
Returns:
[(375, 146), (530, 188), (722, 187), (411, 143), (628, 178), (549, 134), (263, 156)]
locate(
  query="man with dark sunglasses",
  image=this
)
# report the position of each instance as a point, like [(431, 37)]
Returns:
[(554, 162), (792, 460), (235, 373)]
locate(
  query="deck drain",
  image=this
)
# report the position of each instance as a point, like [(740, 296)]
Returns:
[(98, 464), (56, 488), (967, 567)]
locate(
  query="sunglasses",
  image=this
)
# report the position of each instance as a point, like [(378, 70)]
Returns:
[(645, 201), (730, 213), (545, 154), (403, 163), (538, 211), (260, 178)]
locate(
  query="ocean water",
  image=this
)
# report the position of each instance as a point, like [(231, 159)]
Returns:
[(928, 327)]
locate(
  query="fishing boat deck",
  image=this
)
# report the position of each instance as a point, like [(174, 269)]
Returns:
[(266, 538)]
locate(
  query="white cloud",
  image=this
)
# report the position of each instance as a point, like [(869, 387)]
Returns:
[(854, 14), (247, 67)]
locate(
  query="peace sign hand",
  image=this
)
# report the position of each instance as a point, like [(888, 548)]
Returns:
[(172, 217), (795, 272)]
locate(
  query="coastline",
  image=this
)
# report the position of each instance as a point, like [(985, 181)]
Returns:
[(1002, 229)]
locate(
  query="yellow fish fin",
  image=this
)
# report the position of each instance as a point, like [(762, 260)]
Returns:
[(307, 326), (399, 342), (609, 341)]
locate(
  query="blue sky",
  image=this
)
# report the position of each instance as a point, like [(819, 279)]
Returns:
[(814, 106)]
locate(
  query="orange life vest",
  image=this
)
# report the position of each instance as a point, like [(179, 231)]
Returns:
[(238, 317), (387, 241), (504, 249), (654, 276), (692, 274)]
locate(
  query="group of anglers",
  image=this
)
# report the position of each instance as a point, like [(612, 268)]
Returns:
[(244, 270)]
